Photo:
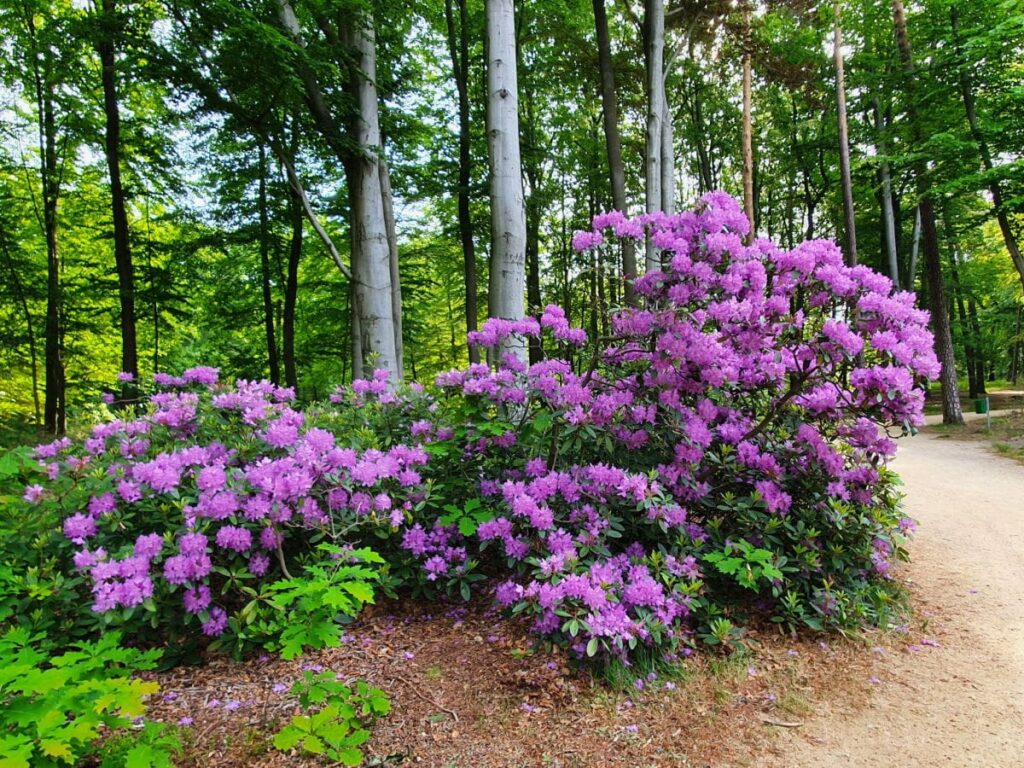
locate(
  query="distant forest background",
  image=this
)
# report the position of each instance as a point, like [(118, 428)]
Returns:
[(180, 181)]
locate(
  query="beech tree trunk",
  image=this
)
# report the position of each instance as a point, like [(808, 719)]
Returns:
[(951, 409), (373, 320), (849, 217), (915, 247), (613, 142), (507, 278), (654, 33), (888, 217), (458, 48), (748, 128), (668, 158), (396, 281), (995, 188), (371, 257)]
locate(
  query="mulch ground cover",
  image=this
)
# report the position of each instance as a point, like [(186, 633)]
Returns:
[(470, 688)]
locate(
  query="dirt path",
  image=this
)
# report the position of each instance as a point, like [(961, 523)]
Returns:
[(960, 703)]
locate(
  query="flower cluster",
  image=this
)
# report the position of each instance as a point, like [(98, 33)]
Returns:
[(749, 399), (212, 477), (727, 448)]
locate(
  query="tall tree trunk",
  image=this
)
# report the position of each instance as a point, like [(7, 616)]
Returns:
[(995, 188), (54, 412), (654, 47), (668, 158), (396, 280), (951, 409), (373, 333), (291, 291), (888, 217), (849, 217), (915, 247), (371, 256), (613, 142), (110, 25), (748, 128), (458, 47), (507, 278), (268, 301)]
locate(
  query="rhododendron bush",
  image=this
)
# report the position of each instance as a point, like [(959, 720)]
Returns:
[(721, 455)]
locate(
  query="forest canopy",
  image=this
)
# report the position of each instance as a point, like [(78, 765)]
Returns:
[(303, 191)]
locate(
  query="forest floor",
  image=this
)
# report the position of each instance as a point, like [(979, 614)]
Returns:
[(468, 689)]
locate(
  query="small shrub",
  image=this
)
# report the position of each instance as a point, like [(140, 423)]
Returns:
[(306, 611), (335, 717), (54, 708)]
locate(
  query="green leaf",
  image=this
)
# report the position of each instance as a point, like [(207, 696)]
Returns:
[(359, 590), (349, 756), (313, 745), (287, 739), (592, 646), (467, 526), (57, 748), (141, 756)]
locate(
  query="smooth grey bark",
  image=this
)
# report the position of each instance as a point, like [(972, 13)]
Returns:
[(849, 216), (371, 264), (668, 157), (915, 248), (888, 216), (654, 34), (374, 322), (747, 130), (507, 279), (396, 280), (296, 184)]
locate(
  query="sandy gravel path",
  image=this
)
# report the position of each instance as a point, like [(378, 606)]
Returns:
[(960, 703)]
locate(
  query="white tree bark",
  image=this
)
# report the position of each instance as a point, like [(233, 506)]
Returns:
[(668, 158), (654, 21), (373, 315), (507, 279), (888, 218), (371, 262), (849, 217), (748, 131), (396, 282), (915, 245)]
